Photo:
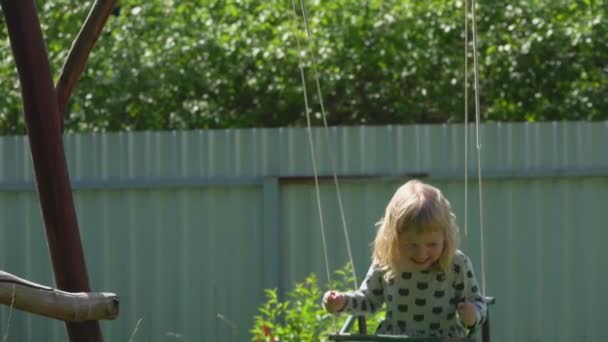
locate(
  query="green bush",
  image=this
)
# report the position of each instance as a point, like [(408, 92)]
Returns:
[(301, 316), (213, 64)]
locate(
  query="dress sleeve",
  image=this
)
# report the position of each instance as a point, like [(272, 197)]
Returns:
[(473, 292), (370, 296)]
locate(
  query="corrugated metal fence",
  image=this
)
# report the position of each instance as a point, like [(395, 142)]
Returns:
[(188, 228)]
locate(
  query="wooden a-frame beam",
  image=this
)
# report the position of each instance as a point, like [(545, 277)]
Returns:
[(50, 166)]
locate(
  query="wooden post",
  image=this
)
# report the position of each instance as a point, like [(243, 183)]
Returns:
[(46, 144), (79, 53)]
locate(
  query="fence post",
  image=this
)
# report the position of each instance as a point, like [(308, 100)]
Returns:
[(271, 236)]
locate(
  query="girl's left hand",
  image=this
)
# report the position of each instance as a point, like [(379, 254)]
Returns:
[(468, 313)]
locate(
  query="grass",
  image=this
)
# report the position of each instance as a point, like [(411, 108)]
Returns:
[(135, 330), (10, 315)]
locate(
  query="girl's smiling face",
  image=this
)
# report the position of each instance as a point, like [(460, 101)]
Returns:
[(419, 251)]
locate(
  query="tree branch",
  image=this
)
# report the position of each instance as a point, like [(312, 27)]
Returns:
[(79, 52)]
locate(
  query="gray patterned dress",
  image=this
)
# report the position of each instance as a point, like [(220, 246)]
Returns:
[(421, 303)]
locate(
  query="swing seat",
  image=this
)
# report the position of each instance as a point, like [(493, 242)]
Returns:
[(362, 336)]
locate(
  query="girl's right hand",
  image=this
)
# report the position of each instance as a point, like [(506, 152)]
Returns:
[(334, 301)]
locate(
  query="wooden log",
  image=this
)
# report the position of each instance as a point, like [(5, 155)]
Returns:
[(48, 156), (79, 52), (28, 296)]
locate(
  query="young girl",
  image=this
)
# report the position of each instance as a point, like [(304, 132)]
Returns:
[(427, 284)]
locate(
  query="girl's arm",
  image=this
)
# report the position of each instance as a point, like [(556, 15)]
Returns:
[(370, 296), (474, 302)]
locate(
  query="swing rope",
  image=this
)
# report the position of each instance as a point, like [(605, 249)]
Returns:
[(312, 149), (327, 141), (466, 129), (466, 118), (332, 160), (478, 140)]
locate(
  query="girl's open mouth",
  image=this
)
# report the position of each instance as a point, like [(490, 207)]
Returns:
[(420, 262)]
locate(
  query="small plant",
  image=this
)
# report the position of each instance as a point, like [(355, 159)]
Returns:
[(301, 317)]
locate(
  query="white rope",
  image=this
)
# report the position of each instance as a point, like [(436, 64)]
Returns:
[(312, 147), (477, 121), (332, 160), (466, 118), (329, 152)]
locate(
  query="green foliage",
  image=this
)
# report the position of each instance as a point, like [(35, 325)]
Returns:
[(301, 316), (235, 63)]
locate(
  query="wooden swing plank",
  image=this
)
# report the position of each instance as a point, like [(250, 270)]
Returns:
[(393, 338)]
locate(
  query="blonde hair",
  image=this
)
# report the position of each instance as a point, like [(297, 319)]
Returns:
[(420, 208)]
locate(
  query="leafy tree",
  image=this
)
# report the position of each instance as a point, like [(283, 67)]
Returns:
[(234, 63)]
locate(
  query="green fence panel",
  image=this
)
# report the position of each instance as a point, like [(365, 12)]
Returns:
[(189, 228)]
